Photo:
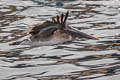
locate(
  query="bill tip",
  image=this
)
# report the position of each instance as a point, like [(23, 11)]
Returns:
[(96, 38)]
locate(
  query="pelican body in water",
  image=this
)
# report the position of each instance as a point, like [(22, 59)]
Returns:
[(52, 32)]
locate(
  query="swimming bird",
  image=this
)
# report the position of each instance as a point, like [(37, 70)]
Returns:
[(52, 32)]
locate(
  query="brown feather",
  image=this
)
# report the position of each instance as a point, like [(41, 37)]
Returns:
[(53, 19), (62, 15), (66, 16), (58, 21), (38, 27)]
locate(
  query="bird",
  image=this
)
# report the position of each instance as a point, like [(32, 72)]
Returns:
[(52, 32)]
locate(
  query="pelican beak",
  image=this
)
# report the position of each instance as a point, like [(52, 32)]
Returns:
[(79, 34), (92, 37), (84, 35)]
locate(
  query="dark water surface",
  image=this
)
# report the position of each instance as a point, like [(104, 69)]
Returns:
[(78, 60)]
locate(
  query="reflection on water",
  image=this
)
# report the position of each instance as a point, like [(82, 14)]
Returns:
[(78, 60)]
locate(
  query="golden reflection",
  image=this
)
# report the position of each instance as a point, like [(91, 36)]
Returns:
[(108, 46)]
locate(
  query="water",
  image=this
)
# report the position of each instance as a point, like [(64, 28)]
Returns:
[(78, 60)]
